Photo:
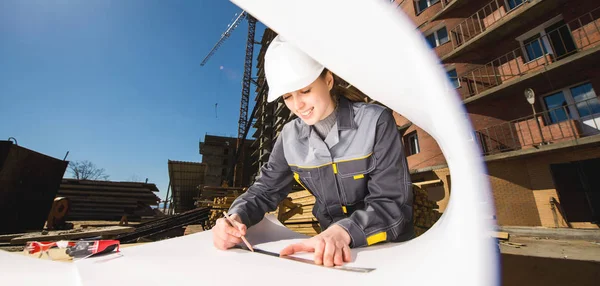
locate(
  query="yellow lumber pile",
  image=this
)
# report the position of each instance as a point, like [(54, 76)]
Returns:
[(218, 199), (296, 212), (217, 207), (425, 212)]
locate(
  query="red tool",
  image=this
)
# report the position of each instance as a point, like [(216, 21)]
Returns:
[(76, 249)]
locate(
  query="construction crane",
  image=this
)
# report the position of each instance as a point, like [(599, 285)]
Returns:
[(243, 124)]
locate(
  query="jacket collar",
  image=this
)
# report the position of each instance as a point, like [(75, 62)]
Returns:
[(345, 118)]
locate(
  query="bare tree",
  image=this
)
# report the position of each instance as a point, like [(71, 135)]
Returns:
[(86, 170)]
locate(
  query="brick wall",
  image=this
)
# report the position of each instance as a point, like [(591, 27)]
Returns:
[(410, 9), (521, 188), (430, 153), (515, 203)]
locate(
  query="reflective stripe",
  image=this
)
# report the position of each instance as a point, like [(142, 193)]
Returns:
[(344, 209), (309, 167), (354, 159), (297, 177), (358, 177), (378, 237), (334, 168), (327, 164)]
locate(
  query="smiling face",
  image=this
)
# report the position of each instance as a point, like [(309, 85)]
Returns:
[(312, 103)]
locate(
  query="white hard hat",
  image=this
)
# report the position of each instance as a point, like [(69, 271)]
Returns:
[(288, 69)]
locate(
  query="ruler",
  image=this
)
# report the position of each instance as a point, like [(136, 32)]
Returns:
[(308, 261)]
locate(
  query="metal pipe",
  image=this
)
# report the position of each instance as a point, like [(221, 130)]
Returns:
[(167, 198), (538, 124)]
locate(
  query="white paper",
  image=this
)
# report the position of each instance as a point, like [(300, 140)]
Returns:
[(17, 269), (194, 259)]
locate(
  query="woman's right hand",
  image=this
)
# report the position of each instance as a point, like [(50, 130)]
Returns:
[(225, 235)]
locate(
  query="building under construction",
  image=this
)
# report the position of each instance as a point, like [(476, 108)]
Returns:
[(540, 162), (218, 153), (527, 73)]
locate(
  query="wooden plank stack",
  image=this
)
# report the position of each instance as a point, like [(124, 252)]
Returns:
[(106, 200), (425, 212), (303, 222), (217, 200)]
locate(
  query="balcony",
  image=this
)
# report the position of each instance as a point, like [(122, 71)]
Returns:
[(449, 6), (494, 21), (553, 126), (556, 47)]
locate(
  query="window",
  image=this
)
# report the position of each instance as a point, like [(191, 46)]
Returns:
[(585, 100), (556, 104), (411, 143), (437, 38), (225, 162), (421, 5), (225, 151), (560, 39), (224, 172), (572, 103), (512, 4), (453, 76), (534, 47), (551, 38)]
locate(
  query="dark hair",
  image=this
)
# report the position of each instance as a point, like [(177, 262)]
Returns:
[(339, 90)]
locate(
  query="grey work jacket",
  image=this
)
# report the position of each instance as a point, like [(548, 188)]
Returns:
[(358, 175)]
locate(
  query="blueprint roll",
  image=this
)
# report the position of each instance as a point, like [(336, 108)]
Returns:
[(376, 48)]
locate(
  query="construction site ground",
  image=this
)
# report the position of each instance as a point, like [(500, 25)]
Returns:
[(545, 261)]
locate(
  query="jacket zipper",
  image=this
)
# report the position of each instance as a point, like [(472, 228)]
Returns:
[(337, 184)]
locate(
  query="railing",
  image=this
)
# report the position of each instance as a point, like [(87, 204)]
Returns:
[(555, 125), (447, 2), (559, 43), (481, 21)]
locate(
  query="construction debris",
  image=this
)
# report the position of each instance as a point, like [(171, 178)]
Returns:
[(105, 200), (58, 212), (512, 244), (104, 232), (193, 228), (170, 226), (29, 182), (501, 235)]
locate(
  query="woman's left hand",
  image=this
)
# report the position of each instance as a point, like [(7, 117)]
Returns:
[(331, 247)]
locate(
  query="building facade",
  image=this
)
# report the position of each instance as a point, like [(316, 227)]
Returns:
[(218, 154), (542, 157)]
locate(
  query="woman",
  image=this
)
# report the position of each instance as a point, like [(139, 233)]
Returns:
[(348, 155)]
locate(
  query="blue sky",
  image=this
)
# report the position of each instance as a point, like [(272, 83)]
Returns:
[(119, 83)]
